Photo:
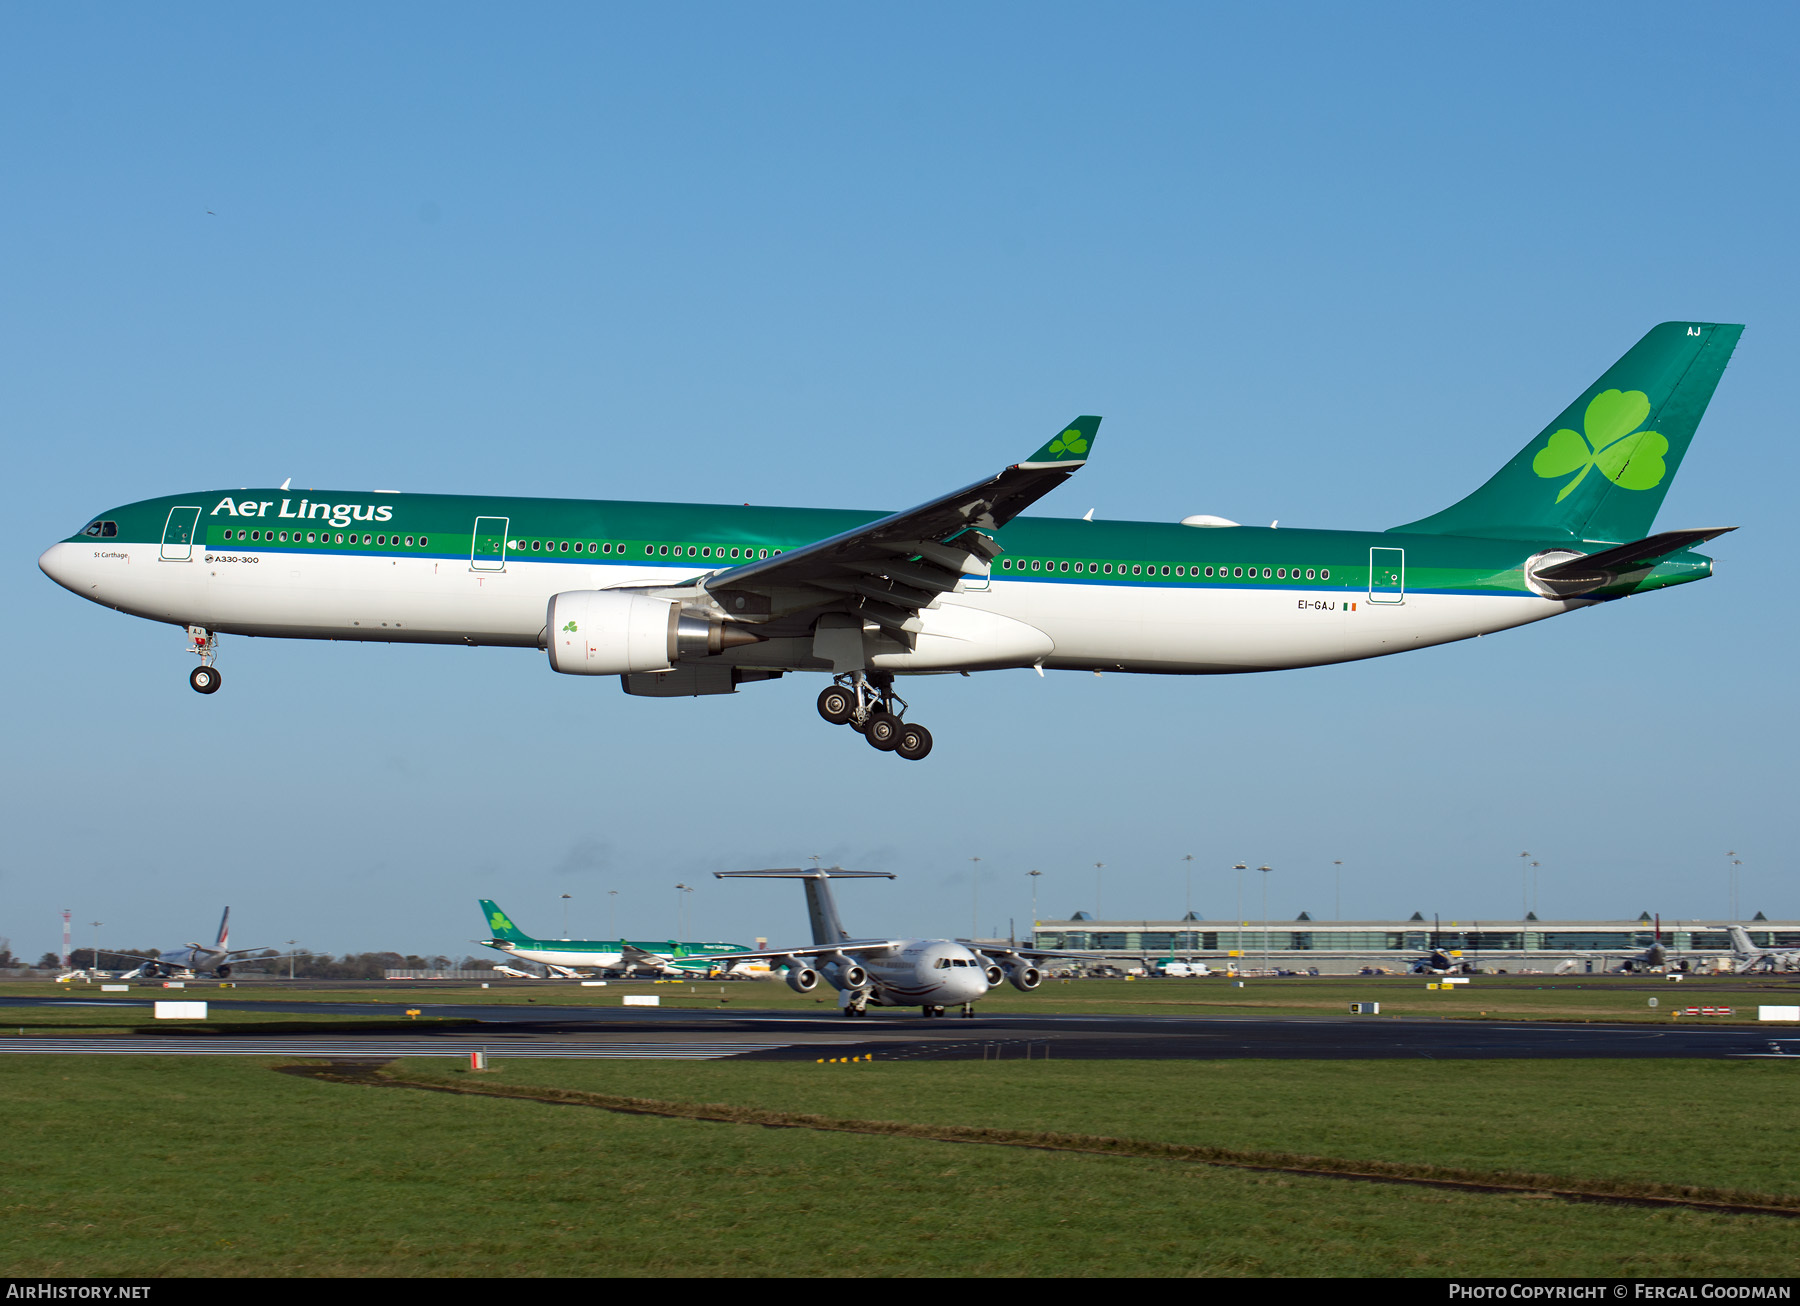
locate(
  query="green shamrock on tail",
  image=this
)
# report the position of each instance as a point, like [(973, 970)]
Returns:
[(498, 922), (1626, 456), (1070, 441)]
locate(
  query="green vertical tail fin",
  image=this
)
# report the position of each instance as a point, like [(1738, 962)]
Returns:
[(1600, 470), (502, 926)]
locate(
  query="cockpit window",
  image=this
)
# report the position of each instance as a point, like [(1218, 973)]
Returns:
[(942, 963), (101, 529)]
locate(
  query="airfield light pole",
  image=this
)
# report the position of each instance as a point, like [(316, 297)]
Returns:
[(1237, 926), (1098, 867), (292, 944), (681, 893), (1265, 883), (565, 903), (611, 914), (1534, 888), (95, 963), (1337, 889), (974, 898), (1524, 896), (1034, 916), (1735, 863), (1189, 859)]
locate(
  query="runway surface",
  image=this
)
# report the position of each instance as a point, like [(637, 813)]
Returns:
[(549, 1031)]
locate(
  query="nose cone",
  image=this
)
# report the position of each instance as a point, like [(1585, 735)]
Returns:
[(59, 563)]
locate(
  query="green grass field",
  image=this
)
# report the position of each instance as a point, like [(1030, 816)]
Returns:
[(1486, 997), (222, 1166)]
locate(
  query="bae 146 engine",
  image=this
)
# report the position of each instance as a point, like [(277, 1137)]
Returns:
[(802, 978), (614, 633), (1025, 977)]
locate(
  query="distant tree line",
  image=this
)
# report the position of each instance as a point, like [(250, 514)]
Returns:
[(320, 965)]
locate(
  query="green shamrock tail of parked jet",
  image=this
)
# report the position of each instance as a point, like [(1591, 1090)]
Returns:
[(1633, 425), (502, 927)]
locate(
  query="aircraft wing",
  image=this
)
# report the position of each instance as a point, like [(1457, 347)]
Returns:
[(1032, 954), (812, 950), (891, 568), (630, 955)]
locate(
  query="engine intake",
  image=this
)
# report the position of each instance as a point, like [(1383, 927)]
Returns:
[(802, 978), (1025, 978), (608, 633), (995, 975)]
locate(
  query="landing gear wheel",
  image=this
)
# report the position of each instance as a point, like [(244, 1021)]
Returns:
[(882, 730), (205, 680), (914, 741), (836, 704), (933, 1011)]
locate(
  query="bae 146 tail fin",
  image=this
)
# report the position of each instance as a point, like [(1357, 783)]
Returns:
[(1601, 469), (821, 908)]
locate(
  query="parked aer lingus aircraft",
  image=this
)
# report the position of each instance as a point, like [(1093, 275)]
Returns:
[(688, 599), (573, 956)]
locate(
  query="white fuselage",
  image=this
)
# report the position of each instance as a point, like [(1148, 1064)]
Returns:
[(923, 973), (1061, 625), (570, 958)]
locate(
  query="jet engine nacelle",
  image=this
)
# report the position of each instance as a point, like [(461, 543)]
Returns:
[(1025, 978), (611, 633), (852, 976), (995, 975), (802, 979)]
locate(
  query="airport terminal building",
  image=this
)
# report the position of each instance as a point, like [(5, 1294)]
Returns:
[(1347, 946)]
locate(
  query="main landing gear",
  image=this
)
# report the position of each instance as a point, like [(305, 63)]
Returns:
[(967, 1013), (869, 706), (204, 644), (858, 1005)]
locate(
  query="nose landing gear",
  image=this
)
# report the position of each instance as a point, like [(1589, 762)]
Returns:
[(204, 644), (869, 706)]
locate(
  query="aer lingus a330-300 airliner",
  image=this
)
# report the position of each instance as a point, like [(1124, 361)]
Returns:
[(689, 599)]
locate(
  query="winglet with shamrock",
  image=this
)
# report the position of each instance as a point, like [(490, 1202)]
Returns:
[(1069, 447)]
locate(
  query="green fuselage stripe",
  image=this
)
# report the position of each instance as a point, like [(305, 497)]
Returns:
[(690, 540)]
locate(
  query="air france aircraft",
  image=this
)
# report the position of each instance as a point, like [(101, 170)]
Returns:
[(572, 956), (934, 974), (694, 599), (197, 958)]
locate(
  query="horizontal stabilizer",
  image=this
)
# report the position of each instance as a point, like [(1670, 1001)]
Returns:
[(805, 873), (1596, 570)]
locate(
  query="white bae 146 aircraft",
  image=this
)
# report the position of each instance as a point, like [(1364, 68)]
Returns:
[(933, 974)]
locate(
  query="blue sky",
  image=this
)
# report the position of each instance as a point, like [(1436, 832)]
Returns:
[(1324, 264)]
